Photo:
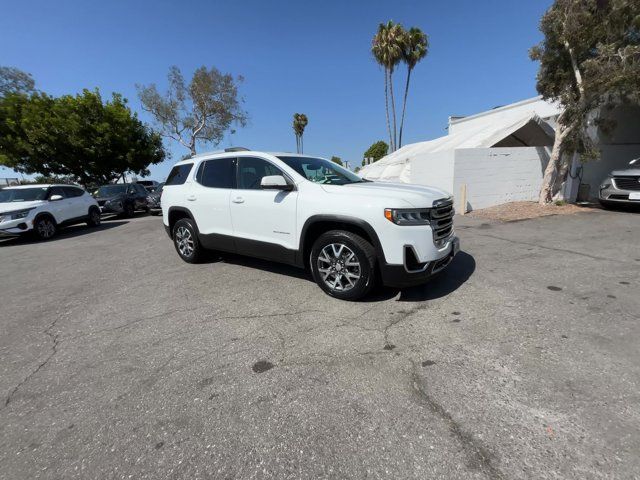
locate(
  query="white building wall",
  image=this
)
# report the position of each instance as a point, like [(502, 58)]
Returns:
[(433, 169), (499, 175)]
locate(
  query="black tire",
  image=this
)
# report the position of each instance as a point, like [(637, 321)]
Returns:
[(349, 282), (94, 217), (129, 210), (44, 227), (185, 240)]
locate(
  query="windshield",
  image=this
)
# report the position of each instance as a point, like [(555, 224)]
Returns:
[(110, 190), (322, 171), (23, 194)]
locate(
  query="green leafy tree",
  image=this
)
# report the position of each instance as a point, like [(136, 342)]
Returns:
[(376, 151), (300, 122), (75, 136), (13, 80), (415, 46), (200, 112), (386, 48), (337, 160), (589, 63)]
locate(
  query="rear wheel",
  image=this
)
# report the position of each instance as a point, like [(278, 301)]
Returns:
[(185, 239), (44, 228), (343, 264), (94, 217)]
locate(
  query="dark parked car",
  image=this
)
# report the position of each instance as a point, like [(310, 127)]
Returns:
[(150, 185), (122, 199), (154, 200)]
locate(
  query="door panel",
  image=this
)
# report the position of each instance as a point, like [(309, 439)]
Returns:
[(262, 215), (208, 200), (62, 210)]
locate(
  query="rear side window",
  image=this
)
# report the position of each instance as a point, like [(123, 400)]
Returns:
[(71, 192), (57, 191), (178, 174), (219, 173)]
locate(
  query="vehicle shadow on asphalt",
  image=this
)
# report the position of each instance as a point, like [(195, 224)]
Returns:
[(448, 281), (452, 278), (68, 232)]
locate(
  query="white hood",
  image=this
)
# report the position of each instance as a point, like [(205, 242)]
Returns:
[(415, 195), (14, 206)]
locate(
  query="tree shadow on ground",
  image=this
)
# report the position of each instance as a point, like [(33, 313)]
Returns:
[(63, 233)]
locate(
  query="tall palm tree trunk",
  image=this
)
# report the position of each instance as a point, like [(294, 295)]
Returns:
[(404, 106), (393, 110), (386, 107)]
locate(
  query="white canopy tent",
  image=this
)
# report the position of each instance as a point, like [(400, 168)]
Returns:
[(526, 130)]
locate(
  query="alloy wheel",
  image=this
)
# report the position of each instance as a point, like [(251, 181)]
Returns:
[(184, 240), (339, 267), (46, 228)]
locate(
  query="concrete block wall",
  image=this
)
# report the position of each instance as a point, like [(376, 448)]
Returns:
[(499, 175), (433, 169)]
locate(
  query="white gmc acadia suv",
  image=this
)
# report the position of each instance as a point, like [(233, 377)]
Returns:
[(311, 213), (42, 209)]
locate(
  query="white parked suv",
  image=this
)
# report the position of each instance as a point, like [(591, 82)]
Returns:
[(311, 213), (42, 209)]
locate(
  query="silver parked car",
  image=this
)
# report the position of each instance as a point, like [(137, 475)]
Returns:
[(622, 187)]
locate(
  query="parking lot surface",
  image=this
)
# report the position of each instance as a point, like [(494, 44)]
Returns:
[(118, 360)]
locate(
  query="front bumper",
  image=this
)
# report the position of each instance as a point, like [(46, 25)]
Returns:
[(15, 228), (615, 195), (111, 209), (405, 275)]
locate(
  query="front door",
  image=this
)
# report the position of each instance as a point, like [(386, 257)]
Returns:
[(264, 221)]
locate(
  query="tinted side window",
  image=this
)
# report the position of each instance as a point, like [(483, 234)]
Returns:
[(219, 173), (71, 192), (141, 190), (178, 174), (251, 170)]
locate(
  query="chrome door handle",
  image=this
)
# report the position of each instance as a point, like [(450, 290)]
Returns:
[(191, 198), (238, 200)]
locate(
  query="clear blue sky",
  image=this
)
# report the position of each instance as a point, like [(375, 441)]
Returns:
[(296, 56)]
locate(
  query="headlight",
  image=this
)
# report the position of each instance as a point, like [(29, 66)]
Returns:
[(605, 184), (16, 215), (408, 216)]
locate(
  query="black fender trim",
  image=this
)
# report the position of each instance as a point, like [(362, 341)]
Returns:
[(183, 210), (345, 219), (45, 214)]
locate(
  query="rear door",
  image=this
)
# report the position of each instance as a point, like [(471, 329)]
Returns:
[(264, 221), (77, 204), (208, 201)]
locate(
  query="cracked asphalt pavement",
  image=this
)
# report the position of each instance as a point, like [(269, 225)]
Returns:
[(118, 360)]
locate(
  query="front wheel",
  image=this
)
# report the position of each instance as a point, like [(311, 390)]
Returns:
[(185, 239), (343, 264), (129, 210), (44, 228)]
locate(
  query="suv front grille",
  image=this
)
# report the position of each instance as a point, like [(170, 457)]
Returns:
[(442, 220), (627, 183)]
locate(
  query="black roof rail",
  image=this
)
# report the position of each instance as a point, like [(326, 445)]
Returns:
[(237, 149)]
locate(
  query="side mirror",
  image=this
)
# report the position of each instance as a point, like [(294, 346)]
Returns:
[(55, 198), (275, 182)]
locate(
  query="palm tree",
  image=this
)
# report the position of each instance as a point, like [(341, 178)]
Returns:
[(415, 47), (300, 121), (387, 51)]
